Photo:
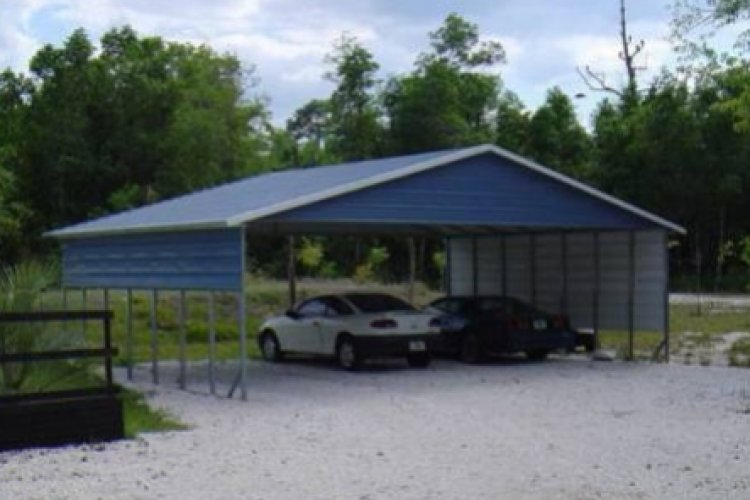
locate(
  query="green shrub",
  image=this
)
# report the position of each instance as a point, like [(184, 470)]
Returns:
[(21, 287), (196, 332), (739, 353), (166, 317)]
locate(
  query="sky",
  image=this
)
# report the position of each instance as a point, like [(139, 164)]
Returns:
[(287, 40)]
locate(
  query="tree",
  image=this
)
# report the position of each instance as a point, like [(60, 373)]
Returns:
[(457, 44), (354, 127), (142, 120), (629, 50), (512, 123), (556, 139), (309, 129), (446, 101), (15, 90), (694, 22)]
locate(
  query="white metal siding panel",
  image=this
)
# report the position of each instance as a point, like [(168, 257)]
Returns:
[(580, 296), (548, 272), (650, 280), (461, 267), (614, 278), (489, 270), (518, 248)]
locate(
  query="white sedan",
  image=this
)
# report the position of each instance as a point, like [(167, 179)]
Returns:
[(351, 327)]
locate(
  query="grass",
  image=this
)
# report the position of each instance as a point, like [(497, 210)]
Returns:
[(710, 321), (739, 353), (689, 329), (140, 417), (61, 375)]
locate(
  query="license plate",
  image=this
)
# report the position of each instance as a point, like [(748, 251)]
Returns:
[(540, 324), (417, 345)]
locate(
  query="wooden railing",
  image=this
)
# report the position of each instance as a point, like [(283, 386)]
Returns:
[(106, 352), (52, 418)]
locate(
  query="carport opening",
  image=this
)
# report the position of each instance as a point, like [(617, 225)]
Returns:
[(508, 226)]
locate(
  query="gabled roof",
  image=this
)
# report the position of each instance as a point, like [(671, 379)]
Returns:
[(260, 196)]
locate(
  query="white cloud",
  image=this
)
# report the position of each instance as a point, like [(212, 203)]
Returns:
[(286, 40)]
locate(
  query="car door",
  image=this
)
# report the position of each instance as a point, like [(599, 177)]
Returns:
[(336, 320), (303, 335)]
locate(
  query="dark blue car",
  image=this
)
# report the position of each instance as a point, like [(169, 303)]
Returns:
[(475, 327)]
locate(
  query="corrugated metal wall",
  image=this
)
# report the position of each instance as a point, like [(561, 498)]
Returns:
[(482, 190), (180, 260), (557, 273)]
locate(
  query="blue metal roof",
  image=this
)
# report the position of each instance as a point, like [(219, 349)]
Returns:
[(214, 206), (271, 195)]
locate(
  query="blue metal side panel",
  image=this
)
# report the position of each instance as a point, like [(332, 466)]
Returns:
[(185, 260), (485, 190)]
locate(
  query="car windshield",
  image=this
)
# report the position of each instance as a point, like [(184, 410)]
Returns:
[(378, 302)]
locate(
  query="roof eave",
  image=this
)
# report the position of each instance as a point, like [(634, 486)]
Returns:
[(72, 233)]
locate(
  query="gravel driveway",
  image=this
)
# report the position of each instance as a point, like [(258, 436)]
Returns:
[(565, 428)]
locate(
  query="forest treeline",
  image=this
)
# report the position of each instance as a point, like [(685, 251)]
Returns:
[(93, 129)]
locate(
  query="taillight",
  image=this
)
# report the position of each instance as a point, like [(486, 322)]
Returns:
[(518, 324), (384, 323), (559, 322)]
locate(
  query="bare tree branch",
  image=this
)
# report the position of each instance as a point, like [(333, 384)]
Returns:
[(596, 82)]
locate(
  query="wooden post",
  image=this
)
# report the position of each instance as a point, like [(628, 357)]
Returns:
[(412, 268), (108, 348), (291, 271)]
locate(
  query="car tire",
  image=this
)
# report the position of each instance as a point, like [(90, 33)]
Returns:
[(270, 348), (471, 350), (589, 346), (419, 360), (347, 355), (537, 354)]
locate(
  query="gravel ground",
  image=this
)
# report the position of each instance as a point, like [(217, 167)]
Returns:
[(566, 428)]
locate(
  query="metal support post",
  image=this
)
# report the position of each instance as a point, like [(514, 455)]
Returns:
[(182, 380), (129, 333), (631, 295), (154, 344), (211, 342)]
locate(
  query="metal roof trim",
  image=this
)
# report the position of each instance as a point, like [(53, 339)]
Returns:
[(64, 234)]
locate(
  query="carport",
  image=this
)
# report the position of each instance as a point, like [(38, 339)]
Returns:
[(510, 226)]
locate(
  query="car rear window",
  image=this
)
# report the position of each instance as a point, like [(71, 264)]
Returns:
[(374, 303), (505, 305)]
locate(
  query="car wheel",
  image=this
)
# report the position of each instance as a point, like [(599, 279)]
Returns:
[(589, 345), (419, 360), (537, 354), (471, 350), (270, 348), (347, 355)]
